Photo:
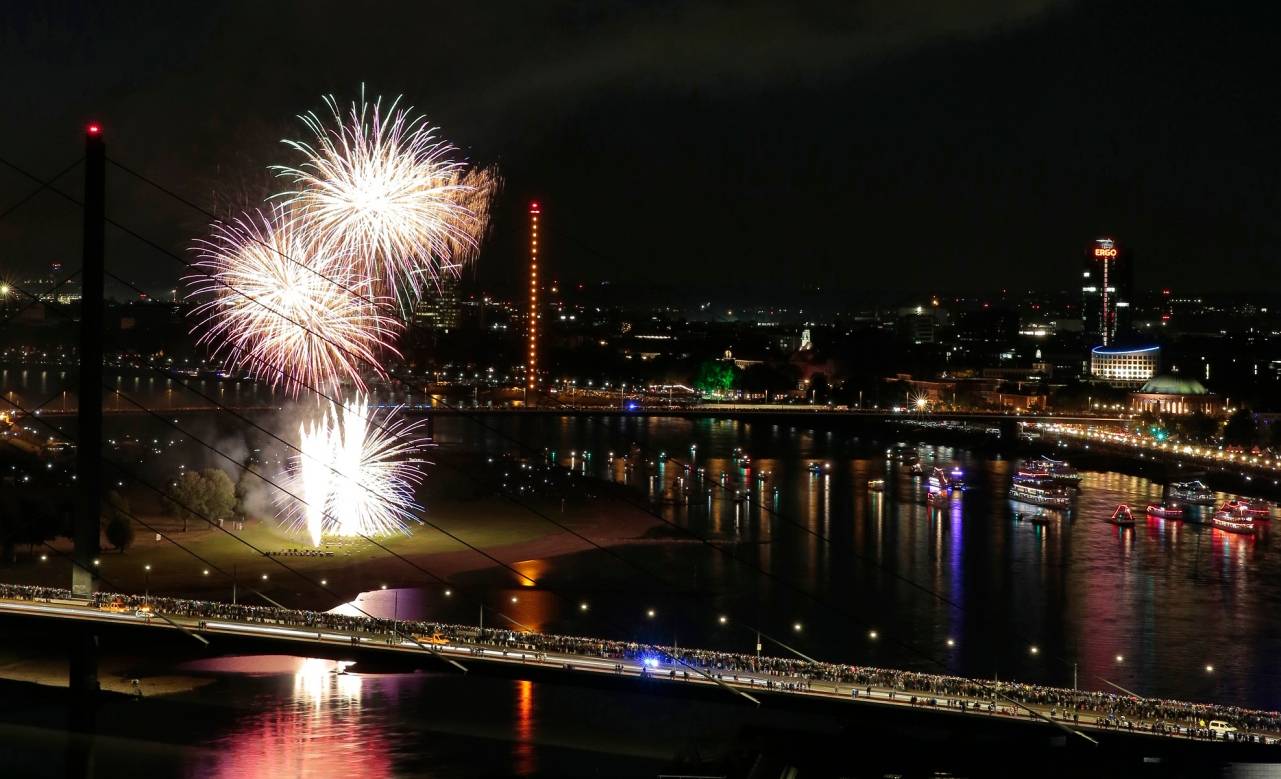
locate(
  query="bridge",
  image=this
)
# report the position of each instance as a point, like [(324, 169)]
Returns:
[(1088, 715)]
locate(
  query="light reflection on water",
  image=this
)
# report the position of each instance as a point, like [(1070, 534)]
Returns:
[(320, 725)]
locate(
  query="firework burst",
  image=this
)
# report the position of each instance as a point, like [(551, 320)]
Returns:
[(286, 307), (356, 474), (378, 184)]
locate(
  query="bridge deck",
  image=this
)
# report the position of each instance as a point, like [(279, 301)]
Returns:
[(657, 670)]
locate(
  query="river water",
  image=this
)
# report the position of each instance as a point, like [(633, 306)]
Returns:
[(812, 562)]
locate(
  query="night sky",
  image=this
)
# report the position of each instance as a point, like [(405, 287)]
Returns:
[(878, 146)]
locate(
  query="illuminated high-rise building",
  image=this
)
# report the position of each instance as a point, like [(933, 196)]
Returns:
[(1106, 293), (437, 310), (531, 364)]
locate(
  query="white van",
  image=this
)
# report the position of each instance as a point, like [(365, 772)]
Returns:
[(1220, 728)]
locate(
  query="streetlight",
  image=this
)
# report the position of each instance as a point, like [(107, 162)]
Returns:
[(1120, 658), (513, 599), (796, 627), (723, 619), (1209, 669), (146, 574), (324, 582), (1033, 650), (582, 606), (650, 613), (871, 634), (951, 642), (448, 592)]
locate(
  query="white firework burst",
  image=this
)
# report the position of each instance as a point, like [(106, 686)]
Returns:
[(286, 307), (356, 474), (379, 184)]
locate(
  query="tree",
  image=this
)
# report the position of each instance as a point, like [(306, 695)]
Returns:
[(1197, 426), (119, 524), (30, 516), (819, 388), (207, 495), (220, 494), (715, 377), (770, 379), (1241, 429)]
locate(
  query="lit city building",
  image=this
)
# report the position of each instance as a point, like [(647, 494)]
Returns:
[(1124, 367), (1106, 292), (1169, 394), (437, 311)]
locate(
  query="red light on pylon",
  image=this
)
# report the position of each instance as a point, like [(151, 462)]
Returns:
[(95, 129)]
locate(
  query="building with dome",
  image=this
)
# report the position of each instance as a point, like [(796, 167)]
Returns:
[(1169, 394)]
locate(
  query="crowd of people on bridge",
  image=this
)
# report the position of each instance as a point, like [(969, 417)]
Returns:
[(1157, 715)]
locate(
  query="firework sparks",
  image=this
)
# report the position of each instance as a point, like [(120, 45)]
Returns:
[(355, 476), (380, 185), (281, 305)]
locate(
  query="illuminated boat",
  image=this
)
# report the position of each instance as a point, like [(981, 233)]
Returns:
[(876, 485), (1243, 507), (1060, 471), (1193, 492), (820, 467), (1165, 512), (1233, 522), (939, 481), (1053, 497), (1122, 516)]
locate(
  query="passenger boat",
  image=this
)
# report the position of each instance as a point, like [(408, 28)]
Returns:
[(1060, 471), (1054, 497), (939, 482), (1233, 522), (1191, 492), (1165, 512), (1122, 516), (820, 467), (1245, 508), (876, 485), (1033, 477)]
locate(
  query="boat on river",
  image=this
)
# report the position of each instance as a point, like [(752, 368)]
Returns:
[(1194, 492), (1122, 516), (1054, 497), (876, 485), (1246, 508), (1060, 471), (1233, 522), (1165, 511)]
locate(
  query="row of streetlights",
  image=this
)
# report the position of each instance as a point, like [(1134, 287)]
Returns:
[(650, 613)]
